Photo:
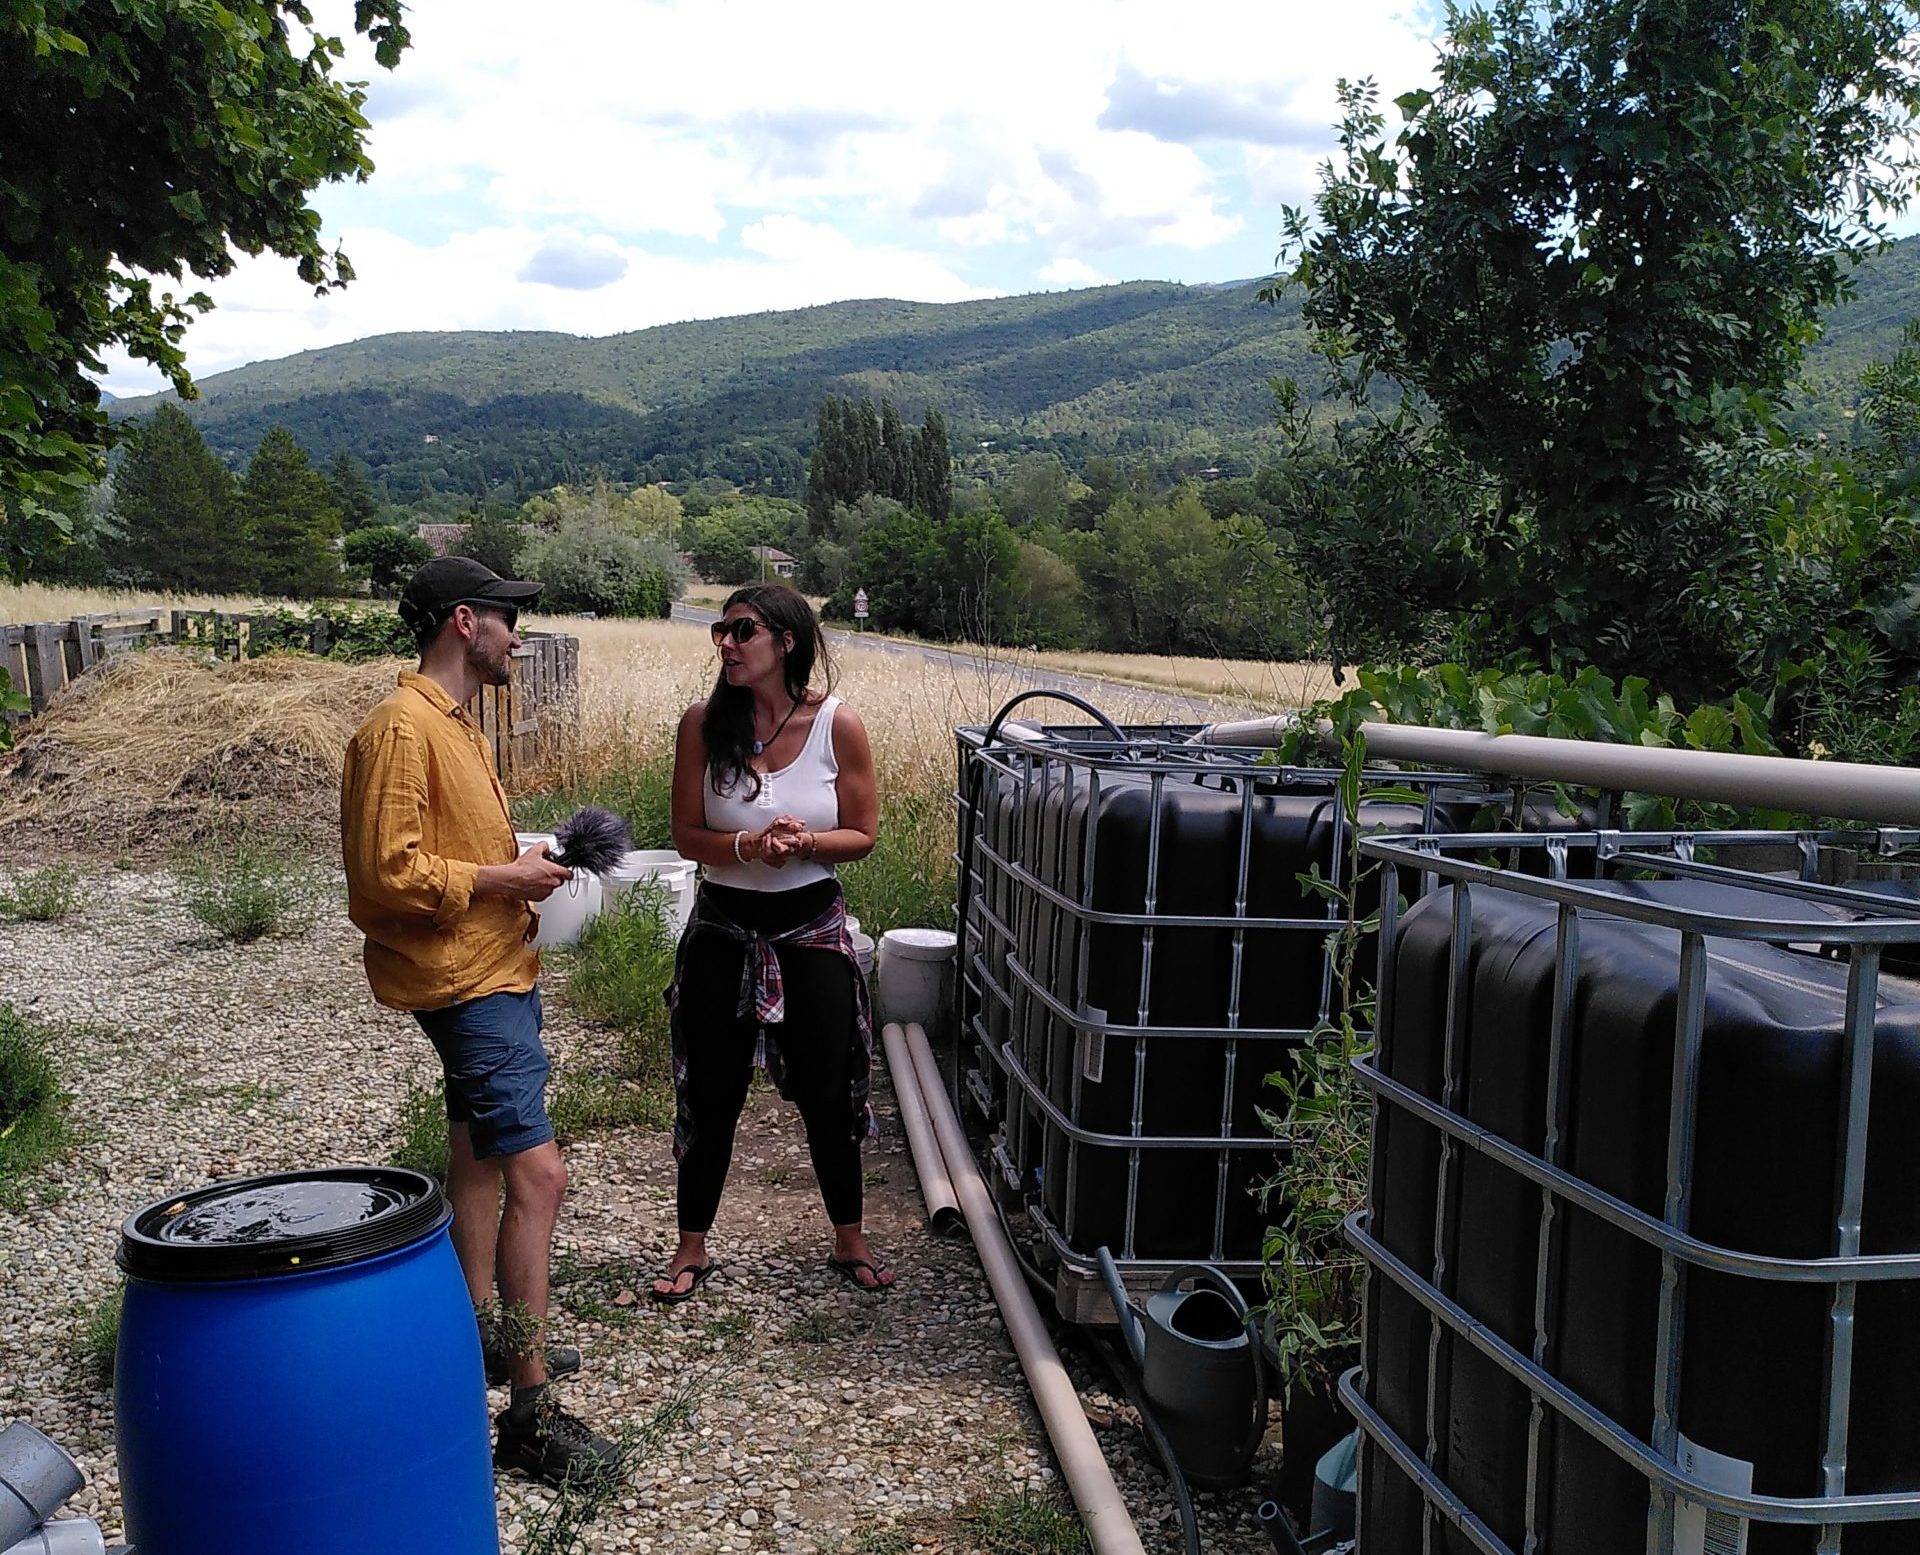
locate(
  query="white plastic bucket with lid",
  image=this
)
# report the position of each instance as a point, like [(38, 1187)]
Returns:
[(662, 864), (564, 916), (916, 971)]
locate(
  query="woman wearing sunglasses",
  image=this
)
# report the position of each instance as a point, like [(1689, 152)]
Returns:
[(772, 787)]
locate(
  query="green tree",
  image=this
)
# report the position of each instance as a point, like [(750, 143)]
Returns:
[(386, 554), (291, 521), (933, 466), (590, 564), (721, 554), (177, 511), (1597, 247), (1035, 491), (144, 139), (494, 539), (352, 492)]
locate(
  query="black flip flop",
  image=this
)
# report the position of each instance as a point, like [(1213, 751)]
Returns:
[(701, 1272), (847, 1269)]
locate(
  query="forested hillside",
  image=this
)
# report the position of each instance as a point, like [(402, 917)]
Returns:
[(1145, 368), (1176, 374)]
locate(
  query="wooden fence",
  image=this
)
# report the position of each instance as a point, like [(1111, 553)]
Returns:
[(525, 720)]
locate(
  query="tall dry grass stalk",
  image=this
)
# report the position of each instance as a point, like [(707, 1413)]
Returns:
[(24, 602)]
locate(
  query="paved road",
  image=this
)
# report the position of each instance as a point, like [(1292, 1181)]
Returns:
[(1173, 706)]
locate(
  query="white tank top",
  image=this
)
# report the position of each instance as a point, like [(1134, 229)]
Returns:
[(804, 787)]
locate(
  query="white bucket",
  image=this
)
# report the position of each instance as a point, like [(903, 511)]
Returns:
[(564, 915), (862, 948), (677, 874), (916, 970)]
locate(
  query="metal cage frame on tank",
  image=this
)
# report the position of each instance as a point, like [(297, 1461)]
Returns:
[(1445, 1346), (1027, 950)]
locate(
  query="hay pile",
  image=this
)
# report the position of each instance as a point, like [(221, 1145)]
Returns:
[(169, 747)]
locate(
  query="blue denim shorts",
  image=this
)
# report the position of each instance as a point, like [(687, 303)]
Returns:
[(496, 1069)]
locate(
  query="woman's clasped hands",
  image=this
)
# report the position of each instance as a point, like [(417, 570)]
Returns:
[(785, 838)]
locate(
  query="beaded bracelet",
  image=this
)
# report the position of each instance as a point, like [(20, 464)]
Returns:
[(736, 846)]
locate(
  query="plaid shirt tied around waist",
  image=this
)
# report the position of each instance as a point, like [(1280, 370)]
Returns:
[(763, 1001)]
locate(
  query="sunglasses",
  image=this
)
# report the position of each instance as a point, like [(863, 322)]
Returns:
[(740, 629)]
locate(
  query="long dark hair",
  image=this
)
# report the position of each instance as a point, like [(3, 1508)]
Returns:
[(727, 726)]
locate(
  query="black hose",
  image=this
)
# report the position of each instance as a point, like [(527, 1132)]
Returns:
[(993, 729)]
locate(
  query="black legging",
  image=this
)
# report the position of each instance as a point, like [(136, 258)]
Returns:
[(813, 1042)]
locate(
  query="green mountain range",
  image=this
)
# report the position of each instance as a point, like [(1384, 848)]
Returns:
[(1178, 374)]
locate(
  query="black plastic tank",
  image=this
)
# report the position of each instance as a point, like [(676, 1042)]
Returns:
[(1767, 1149), (1062, 972)]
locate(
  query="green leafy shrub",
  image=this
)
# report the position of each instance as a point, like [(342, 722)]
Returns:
[(387, 554), (423, 1131), (620, 975), (249, 888), (32, 1126), (43, 895), (589, 564), (96, 1332)]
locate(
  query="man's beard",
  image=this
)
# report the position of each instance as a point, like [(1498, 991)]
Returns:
[(492, 670)]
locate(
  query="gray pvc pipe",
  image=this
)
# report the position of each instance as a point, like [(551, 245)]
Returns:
[(936, 1186), (1887, 796), (1103, 1511), (37, 1476), (68, 1536)]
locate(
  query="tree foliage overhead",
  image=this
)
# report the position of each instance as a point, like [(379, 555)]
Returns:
[(146, 140), (1599, 246)]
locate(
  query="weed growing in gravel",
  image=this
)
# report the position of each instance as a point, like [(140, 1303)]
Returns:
[(43, 895), (1022, 1524), (250, 888), (559, 1528), (423, 1131), (96, 1332), (876, 1541), (33, 1128), (586, 1100)]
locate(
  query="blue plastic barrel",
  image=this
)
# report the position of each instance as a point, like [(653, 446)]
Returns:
[(299, 1372)]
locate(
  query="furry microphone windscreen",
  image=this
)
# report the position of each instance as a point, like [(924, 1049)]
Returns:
[(592, 839)]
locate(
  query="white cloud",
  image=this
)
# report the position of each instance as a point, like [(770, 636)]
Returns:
[(737, 155), (1068, 271)]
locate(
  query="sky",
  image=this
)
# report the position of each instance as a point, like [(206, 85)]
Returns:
[(598, 166)]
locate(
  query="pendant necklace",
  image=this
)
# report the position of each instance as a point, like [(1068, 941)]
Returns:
[(761, 745)]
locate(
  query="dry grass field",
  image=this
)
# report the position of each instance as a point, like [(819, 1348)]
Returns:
[(168, 748)]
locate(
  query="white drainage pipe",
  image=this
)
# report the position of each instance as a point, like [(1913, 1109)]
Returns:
[(1889, 796), (1103, 1511), (936, 1187)]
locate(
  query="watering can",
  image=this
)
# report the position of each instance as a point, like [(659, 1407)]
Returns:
[(1200, 1369)]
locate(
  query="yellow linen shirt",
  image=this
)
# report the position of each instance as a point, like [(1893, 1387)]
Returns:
[(421, 809)]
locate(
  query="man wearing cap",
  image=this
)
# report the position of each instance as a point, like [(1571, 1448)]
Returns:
[(436, 882)]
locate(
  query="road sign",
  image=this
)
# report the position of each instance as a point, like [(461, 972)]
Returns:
[(860, 606)]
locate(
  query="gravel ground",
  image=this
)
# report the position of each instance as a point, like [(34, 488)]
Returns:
[(823, 1421)]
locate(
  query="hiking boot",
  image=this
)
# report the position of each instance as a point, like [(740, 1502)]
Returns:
[(551, 1445), (563, 1360)]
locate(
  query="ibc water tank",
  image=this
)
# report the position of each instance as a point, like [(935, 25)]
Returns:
[(1214, 1007), (1765, 1180)]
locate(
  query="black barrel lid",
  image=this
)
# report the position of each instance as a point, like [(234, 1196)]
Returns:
[(287, 1223)]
